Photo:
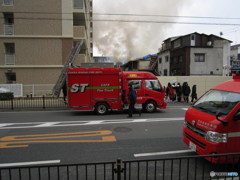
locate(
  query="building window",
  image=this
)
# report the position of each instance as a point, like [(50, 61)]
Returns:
[(166, 59), (9, 54), (8, 23), (11, 77), (180, 59), (199, 57), (165, 72), (193, 37), (160, 60), (177, 43)]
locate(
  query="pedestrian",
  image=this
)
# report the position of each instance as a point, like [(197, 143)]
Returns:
[(179, 92), (170, 92), (132, 97), (194, 93), (64, 90), (186, 92)]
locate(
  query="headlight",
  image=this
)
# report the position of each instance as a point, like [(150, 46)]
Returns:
[(216, 137)]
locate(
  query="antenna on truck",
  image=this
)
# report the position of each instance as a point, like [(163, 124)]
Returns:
[(62, 78)]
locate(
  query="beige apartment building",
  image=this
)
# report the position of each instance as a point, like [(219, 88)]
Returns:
[(36, 38)]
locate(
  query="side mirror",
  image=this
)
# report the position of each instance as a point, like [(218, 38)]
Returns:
[(237, 117), (222, 121)]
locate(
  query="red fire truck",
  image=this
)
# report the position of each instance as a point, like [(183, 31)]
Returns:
[(212, 123), (104, 89)]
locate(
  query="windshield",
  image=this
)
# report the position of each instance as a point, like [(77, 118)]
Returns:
[(215, 101)]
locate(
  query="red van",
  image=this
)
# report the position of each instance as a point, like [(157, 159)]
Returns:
[(212, 123), (104, 89)]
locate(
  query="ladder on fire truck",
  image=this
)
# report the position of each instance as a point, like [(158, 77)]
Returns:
[(62, 78)]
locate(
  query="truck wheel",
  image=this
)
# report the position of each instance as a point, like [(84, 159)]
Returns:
[(150, 106), (101, 108)]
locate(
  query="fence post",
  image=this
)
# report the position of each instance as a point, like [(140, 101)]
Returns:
[(118, 169), (12, 103), (43, 102)]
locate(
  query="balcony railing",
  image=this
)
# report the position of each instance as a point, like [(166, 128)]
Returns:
[(10, 59), (8, 29), (8, 2), (78, 4)]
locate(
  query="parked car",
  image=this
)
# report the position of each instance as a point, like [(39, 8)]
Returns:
[(5, 94)]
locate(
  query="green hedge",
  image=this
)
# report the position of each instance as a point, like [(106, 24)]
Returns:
[(6, 96)]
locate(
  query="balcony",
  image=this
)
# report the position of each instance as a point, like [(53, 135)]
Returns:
[(8, 29), (78, 4), (10, 59), (7, 2)]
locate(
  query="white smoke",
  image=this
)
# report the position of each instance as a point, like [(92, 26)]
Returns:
[(131, 39)]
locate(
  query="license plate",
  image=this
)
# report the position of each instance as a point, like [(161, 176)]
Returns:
[(192, 146)]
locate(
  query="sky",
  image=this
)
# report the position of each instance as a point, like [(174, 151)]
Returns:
[(135, 28)]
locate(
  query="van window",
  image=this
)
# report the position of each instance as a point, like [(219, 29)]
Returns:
[(217, 101), (136, 84), (153, 85)]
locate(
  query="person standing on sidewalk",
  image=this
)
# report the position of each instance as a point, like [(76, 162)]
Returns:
[(186, 92), (194, 93)]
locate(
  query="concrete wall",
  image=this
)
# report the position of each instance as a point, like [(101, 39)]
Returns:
[(203, 83), (213, 61)]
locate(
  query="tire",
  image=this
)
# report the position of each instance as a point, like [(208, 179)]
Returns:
[(101, 108), (150, 106)]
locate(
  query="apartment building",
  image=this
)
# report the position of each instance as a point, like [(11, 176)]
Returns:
[(36, 38), (194, 54)]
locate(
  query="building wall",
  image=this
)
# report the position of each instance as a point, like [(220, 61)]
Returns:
[(43, 37), (213, 61), (164, 65), (204, 83), (35, 17)]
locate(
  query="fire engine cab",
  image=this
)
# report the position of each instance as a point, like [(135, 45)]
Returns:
[(103, 89), (212, 123)]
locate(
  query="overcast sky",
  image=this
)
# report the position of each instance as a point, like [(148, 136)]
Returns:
[(143, 30)]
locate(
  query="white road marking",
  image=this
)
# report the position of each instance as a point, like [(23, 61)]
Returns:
[(4, 124), (162, 153), (29, 163), (47, 124), (83, 123), (184, 109)]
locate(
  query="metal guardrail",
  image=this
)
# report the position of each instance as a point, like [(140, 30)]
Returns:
[(32, 103), (180, 168)]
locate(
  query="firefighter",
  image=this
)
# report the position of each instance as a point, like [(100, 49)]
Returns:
[(132, 97)]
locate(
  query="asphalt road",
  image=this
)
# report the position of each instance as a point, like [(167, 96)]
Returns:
[(83, 137)]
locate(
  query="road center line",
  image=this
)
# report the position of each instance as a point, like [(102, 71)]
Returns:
[(29, 163), (162, 153)]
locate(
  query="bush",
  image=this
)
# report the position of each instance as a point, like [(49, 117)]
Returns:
[(6, 96)]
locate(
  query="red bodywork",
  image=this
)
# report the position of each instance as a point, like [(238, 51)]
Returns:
[(197, 122), (89, 86)]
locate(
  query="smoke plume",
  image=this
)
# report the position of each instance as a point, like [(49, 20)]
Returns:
[(132, 39)]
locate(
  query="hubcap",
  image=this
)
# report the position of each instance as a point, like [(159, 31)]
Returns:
[(150, 107), (102, 109)]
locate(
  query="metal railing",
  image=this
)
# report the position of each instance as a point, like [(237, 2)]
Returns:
[(8, 29), (32, 103), (180, 168)]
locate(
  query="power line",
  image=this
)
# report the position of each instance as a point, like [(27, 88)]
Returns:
[(168, 22), (166, 16), (124, 14), (131, 21)]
